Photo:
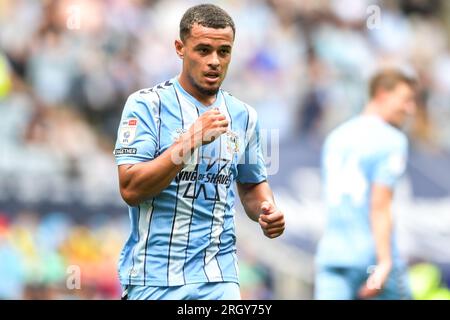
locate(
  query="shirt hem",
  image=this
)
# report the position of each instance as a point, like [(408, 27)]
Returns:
[(159, 283)]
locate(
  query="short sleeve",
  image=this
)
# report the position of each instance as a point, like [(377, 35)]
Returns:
[(391, 165), (251, 167), (137, 138)]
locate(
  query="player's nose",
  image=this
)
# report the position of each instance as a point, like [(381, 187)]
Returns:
[(214, 61)]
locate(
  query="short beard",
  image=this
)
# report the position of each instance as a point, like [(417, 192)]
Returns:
[(203, 91)]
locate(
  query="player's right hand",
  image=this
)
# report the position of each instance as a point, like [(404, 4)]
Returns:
[(375, 283), (208, 127)]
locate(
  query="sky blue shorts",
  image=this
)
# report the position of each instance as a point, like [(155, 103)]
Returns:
[(337, 283), (195, 291)]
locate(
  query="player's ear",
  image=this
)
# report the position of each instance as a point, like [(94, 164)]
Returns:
[(381, 95), (179, 47)]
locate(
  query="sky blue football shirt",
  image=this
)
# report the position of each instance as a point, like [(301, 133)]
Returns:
[(362, 151), (186, 234)]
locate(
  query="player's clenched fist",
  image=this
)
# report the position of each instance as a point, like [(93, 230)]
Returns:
[(271, 220), (208, 127)]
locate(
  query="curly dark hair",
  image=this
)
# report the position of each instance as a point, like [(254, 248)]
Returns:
[(207, 15)]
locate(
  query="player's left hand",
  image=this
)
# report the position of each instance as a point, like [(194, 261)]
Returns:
[(374, 284), (271, 220)]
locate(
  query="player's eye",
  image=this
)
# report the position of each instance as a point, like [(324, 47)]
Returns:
[(203, 50), (224, 52)]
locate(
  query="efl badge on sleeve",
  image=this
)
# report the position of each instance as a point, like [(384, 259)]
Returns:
[(127, 131)]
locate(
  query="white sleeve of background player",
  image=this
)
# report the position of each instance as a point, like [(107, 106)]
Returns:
[(251, 167), (391, 165), (137, 136)]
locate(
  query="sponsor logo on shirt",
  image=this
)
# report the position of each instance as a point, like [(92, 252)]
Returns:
[(122, 151)]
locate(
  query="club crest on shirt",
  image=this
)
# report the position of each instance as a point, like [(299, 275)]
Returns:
[(177, 133), (232, 142), (127, 131)]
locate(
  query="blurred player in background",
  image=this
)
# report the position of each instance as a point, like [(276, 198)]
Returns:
[(180, 147), (362, 160)]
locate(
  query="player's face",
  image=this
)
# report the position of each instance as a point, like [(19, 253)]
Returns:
[(400, 103), (206, 54)]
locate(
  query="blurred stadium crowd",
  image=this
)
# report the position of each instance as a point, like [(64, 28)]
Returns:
[(67, 67)]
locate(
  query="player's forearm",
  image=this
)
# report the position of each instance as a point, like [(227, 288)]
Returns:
[(252, 195), (147, 179), (381, 221)]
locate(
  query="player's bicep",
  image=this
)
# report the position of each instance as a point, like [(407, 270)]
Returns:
[(124, 173)]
